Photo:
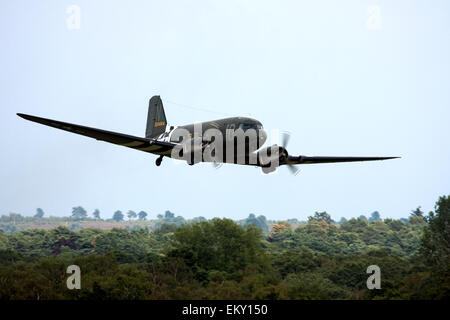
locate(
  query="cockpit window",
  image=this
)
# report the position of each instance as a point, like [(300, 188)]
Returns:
[(245, 126)]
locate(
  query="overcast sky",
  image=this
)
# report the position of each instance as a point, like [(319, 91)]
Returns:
[(350, 78)]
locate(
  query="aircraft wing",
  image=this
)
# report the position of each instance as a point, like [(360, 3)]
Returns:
[(143, 144), (312, 160)]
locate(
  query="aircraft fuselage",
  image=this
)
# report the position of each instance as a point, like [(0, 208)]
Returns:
[(237, 134)]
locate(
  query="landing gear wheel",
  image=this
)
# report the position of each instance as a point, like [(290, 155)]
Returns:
[(158, 161)]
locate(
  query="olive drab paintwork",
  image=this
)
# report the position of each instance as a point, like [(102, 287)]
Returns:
[(163, 140), (156, 118)]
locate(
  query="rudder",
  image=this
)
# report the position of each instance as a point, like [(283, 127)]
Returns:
[(156, 119)]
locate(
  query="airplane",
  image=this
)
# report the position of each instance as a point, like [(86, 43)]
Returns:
[(192, 139)]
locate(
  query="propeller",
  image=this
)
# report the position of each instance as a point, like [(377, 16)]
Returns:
[(285, 136)]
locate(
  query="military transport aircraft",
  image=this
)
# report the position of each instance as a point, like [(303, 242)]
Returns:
[(185, 142)]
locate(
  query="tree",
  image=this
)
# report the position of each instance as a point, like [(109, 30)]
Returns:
[(436, 235), (15, 217), (342, 220), (198, 219), (96, 214), (78, 213), (159, 216), (277, 229), (395, 225), (169, 214), (39, 213), (435, 248), (219, 244), (118, 216), (418, 213), (319, 216), (375, 216), (131, 214), (363, 217), (142, 215), (259, 221)]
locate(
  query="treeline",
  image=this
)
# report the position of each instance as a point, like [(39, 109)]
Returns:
[(222, 259), (80, 214), (79, 219)]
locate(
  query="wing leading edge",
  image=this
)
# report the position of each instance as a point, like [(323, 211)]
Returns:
[(143, 144)]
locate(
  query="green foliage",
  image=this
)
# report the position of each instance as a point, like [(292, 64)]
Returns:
[(342, 220), (375, 216), (12, 218), (96, 214), (136, 243), (3, 241), (39, 213), (169, 218), (118, 216), (131, 214), (142, 215), (294, 261), (168, 214), (355, 236), (436, 237), (321, 216), (219, 244), (436, 247), (260, 222), (78, 213), (310, 286), (417, 212), (222, 259)]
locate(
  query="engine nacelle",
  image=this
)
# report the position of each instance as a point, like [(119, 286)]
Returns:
[(272, 156)]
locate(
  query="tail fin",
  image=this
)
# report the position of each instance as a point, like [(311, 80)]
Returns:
[(156, 119)]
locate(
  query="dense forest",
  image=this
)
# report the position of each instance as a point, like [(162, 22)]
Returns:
[(254, 258)]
